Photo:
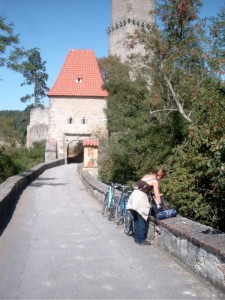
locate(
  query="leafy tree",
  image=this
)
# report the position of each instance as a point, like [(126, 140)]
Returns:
[(134, 139), (11, 55), (13, 126), (173, 58), (8, 132), (214, 53), (178, 120), (196, 181), (34, 73)]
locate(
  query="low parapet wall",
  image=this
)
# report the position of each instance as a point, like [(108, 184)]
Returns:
[(13, 186), (199, 247)]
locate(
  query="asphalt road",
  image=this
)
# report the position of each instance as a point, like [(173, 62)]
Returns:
[(58, 245)]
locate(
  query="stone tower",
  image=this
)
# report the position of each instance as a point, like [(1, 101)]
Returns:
[(127, 16)]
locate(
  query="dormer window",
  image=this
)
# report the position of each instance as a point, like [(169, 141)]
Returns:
[(79, 79)]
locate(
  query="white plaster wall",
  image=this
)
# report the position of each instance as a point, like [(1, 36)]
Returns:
[(76, 109)]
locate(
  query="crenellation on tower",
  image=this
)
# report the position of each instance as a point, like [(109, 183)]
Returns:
[(126, 17)]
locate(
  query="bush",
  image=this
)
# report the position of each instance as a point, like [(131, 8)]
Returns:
[(16, 160)]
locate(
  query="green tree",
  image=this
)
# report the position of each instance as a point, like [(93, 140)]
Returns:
[(16, 160), (173, 59), (179, 121), (8, 132), (129, 151), (34, 73), (13, 126), (214, 53), (11, 55), (196, 182)]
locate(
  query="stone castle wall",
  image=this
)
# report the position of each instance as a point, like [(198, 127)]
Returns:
[(37, 130), (74, 119)]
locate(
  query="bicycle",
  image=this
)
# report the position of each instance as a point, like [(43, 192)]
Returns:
[(121, 204), (109, 202), (128, 227)]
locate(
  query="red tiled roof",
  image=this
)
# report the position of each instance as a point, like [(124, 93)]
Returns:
[(79, 76), (91, 143)]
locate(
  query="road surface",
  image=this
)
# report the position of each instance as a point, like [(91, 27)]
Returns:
[(57, 245)]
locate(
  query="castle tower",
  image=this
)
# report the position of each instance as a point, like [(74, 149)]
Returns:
[(127, 16)]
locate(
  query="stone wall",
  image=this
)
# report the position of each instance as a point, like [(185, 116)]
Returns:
[(199, 247), (74, 119), (37, 130), (128, 16)]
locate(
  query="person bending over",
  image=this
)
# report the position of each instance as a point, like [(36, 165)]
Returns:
[(153, 180), (139, 205)]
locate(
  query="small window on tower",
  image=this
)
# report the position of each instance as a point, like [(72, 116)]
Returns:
[(84, 120), (79, 80)]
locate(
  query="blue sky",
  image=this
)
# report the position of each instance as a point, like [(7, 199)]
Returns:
[(55, 27)]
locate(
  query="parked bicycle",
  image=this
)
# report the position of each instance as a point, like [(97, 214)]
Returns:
[(128, 227), (109, 203), (121, 204)]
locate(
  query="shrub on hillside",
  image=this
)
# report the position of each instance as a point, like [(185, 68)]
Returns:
[(16, 160)]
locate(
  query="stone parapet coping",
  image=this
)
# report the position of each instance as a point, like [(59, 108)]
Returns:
[(199, 247), (201, 235)]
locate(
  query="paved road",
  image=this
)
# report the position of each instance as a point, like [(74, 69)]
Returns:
[(57, 245)]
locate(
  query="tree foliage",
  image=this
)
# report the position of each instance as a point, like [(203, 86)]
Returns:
[(177, 118), (34, 72), (13, 126), (196, 184), (133, 135), (27, 62), (173, 58), (11, 55), (16, 160)]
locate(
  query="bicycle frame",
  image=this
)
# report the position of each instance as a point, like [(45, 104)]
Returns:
[(109, 202), (121, 205)]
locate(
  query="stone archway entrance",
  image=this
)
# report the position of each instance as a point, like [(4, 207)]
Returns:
[(75, 152), (73, 147)]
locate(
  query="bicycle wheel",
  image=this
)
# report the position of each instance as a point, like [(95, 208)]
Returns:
[(105, 202), (119, 213), (110, 210), (128, 223)]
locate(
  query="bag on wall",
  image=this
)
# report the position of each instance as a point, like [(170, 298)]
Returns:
[(167, 213), (163, 212)]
